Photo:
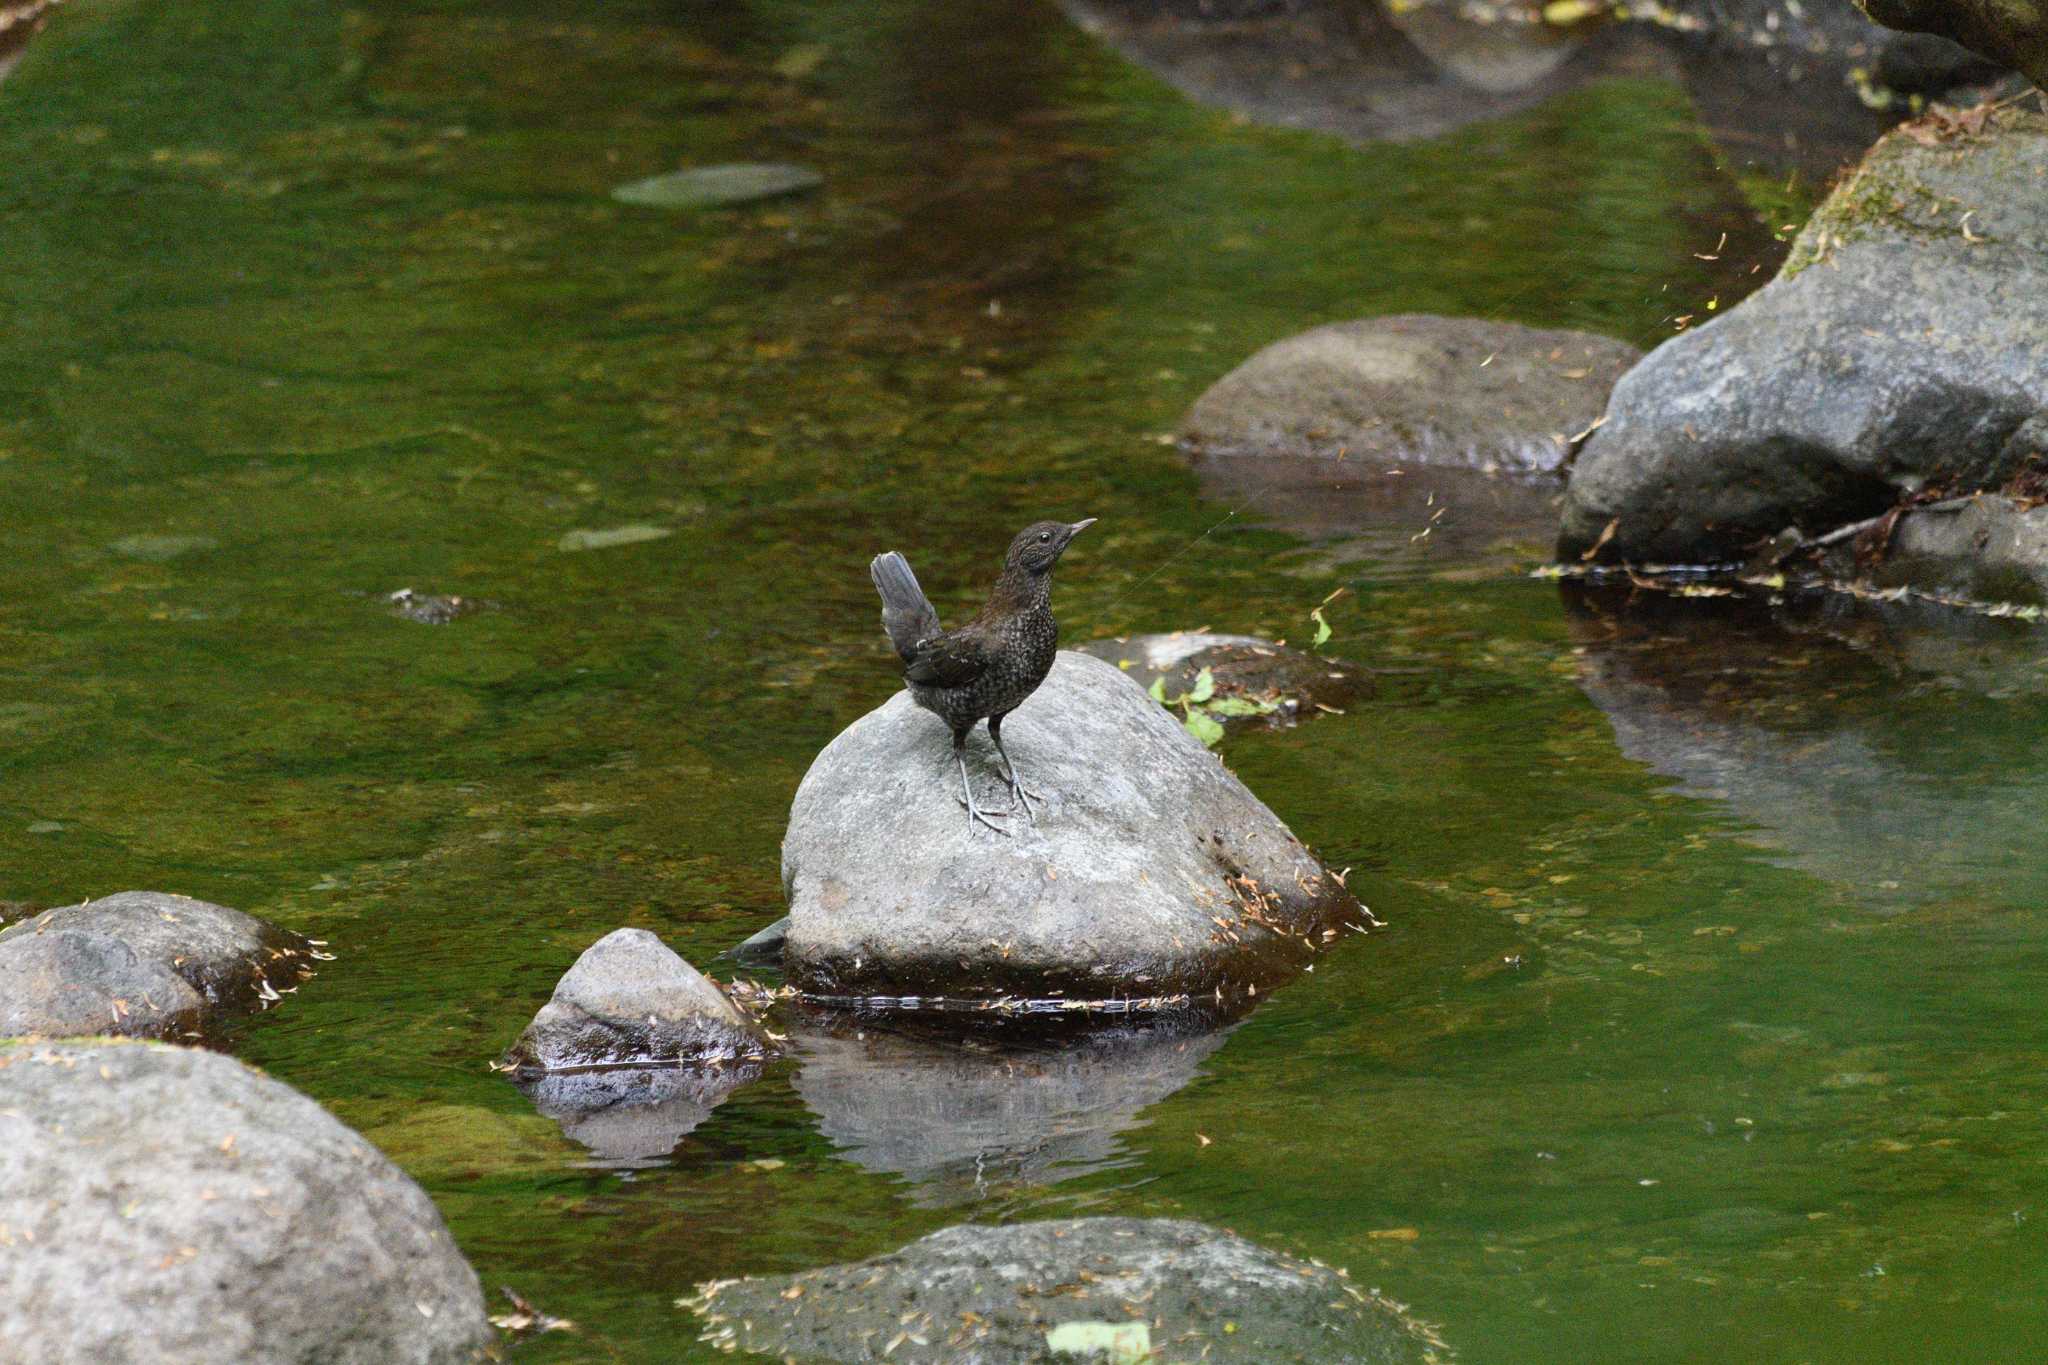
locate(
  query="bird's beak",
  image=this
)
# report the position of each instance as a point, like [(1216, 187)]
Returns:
[(1078, 527)]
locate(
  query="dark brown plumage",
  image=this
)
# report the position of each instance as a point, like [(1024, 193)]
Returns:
[(986, 668)]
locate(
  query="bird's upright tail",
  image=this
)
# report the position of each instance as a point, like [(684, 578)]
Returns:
[(907, 615)]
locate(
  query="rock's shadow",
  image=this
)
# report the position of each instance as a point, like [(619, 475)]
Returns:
[(964, 1124), (1893, 752)]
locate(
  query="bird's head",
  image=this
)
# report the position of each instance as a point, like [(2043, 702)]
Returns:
[(1038, 546)]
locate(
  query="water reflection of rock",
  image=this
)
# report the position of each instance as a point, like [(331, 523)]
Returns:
[(1370, 71), (965, 1124), (1354, 68), (633, 1116), (1894, 753)]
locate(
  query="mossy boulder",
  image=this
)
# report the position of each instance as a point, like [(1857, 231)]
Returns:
[(1904, 346)]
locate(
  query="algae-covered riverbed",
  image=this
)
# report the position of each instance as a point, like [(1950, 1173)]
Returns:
[(1707, 1018)]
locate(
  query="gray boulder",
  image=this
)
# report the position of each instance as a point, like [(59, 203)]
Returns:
[(142, 963), (1987, 549), (971, 1124), (974, 1295), (1903, 346), (166, 1206), (630, 1001), (1151, 875), (1412, 390), (1257, 682), (2012, 32), (1832, 40)]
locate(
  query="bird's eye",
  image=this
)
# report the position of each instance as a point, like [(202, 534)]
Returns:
[(1045, 537)]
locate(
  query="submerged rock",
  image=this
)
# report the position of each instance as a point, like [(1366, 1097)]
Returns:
[(431, 608), (966, 1124), (1413, 390), (1904, 346), (1256, 682), (2013, 32), (1044, 1291), (763, 949), (142, 963), (634, 1116), (175, 1207), (630, 1001), (1151, 878), (713, 186)]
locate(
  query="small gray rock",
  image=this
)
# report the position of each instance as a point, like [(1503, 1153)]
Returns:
[(431, 608), (1151, 872), (763, 949), (630, 1001), (976, 1295), (70, 965), (713, 186), (167, 1206), (1412, 390), (1243, 668), (1904, 345), (1989, 549)]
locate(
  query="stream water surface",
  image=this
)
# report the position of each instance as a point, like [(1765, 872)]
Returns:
[(1707, 1022)]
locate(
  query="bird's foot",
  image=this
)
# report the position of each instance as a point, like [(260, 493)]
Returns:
[(986, 818), (1022, 798)]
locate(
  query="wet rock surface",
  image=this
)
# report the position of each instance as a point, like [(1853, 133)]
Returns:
[(1413, 390), (172, 1206), (629, 1000), (980, 1295), (143, 963), (2011, 32), (1279, 685), (1904, 346), (967, 1124), (1151, 875)]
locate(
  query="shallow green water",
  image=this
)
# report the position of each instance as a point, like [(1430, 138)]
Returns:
[(1708, 1019)]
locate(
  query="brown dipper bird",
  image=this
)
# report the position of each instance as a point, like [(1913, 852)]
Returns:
[(987, 667)]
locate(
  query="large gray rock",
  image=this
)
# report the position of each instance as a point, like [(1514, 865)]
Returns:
[(2013, 32), (1834, 40), (630, 1001), (969, 1124), (1151, 873), (1904, 345), (166, 1206), (975, 1295), (142, 963), (1412, 390)]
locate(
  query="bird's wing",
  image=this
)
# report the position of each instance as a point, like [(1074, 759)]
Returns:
[(952, 659)]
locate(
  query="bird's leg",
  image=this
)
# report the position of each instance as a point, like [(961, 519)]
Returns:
[(1022, 797), (975, 814)]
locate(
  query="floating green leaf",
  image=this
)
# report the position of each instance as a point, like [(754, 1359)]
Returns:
[(1158, 690), (1204, 727), (1322, 627), (1205, 687), (1242, 706)]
